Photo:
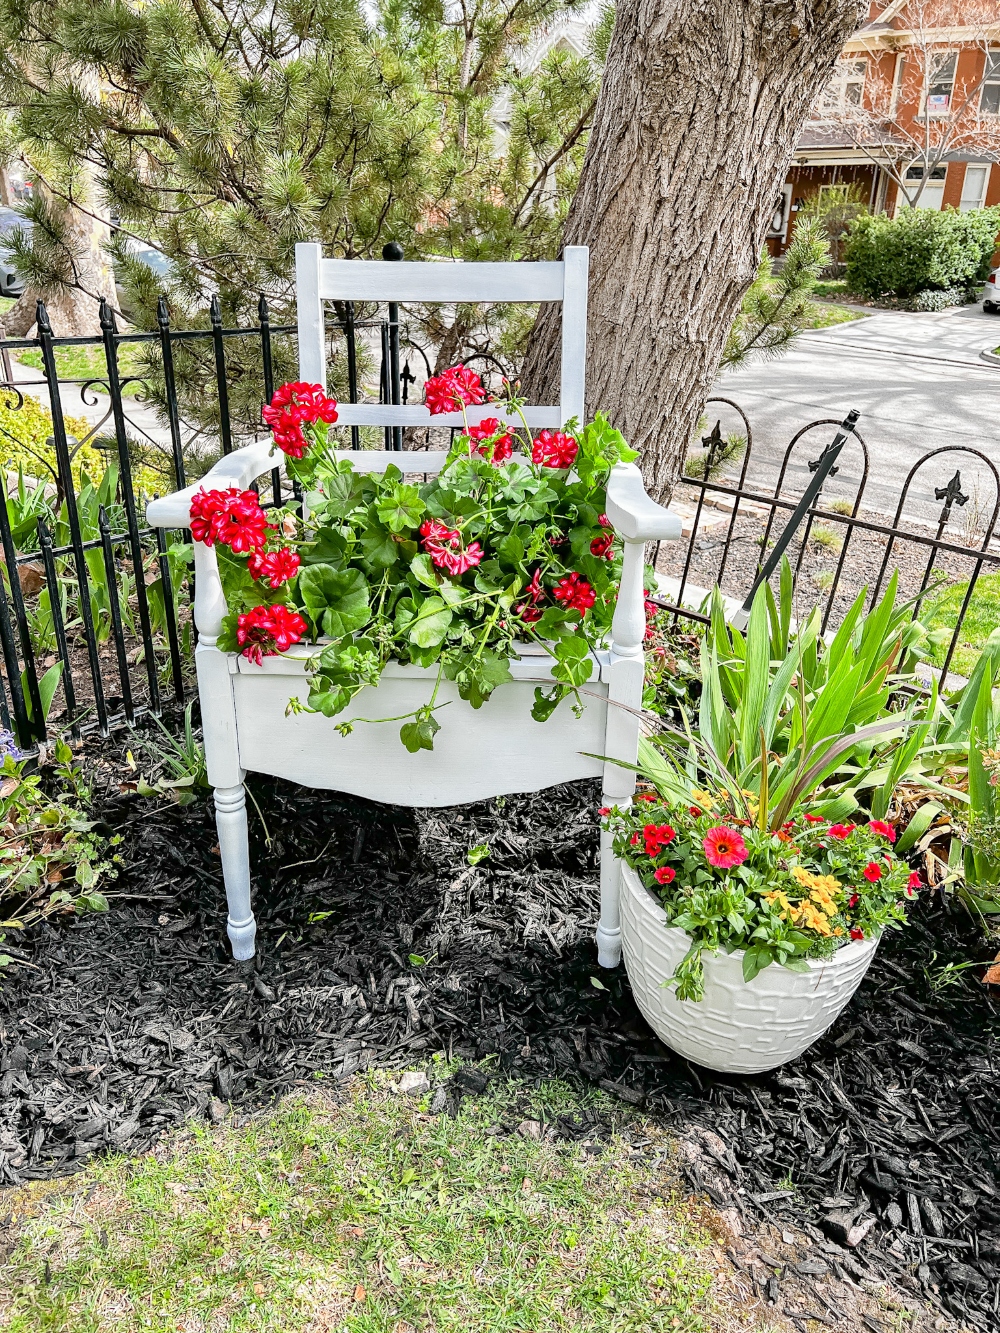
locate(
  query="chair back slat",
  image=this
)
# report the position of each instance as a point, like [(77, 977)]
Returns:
[(318, 280)]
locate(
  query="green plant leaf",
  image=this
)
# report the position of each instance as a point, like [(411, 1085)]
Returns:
[(431, 623), (336, 599)]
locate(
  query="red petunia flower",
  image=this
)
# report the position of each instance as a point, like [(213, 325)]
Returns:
[(886, 830), (646, 796), (634, 840), (553, 448), (853, 900), (604, 810), (274, 567), (657, 836), (872, 872), (575, 593), (857, 934), (267, 630), (841, 830), (294, 406), (914, 882), (502, 447), (602, 546), (232, 517), (453, 387), (815, 819), (724, 847), (665, 875)]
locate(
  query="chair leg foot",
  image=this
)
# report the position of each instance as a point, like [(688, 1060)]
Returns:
[(609, 947), (231, 821)]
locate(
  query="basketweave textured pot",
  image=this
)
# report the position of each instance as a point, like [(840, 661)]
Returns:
[(484, 752), (740, 1027)]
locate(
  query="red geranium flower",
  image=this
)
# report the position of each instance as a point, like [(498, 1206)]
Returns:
[(604, 521), (275, 567), (872, 872), (444, 546), (665, 875), (841, 830), (267, 630), (529, 609), (294, 406), (501, 448), (602, 546), (575, 593), (553, 448), (724, 847), (886, 830), (857, 934), (232, 517), (453, 387)]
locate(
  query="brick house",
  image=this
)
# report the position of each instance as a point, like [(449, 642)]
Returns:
[(912, 114)]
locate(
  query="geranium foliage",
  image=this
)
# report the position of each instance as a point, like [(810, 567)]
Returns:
[(498, 547)]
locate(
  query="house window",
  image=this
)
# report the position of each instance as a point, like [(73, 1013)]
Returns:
[(940, 82), (932, 195), (974, 186), (846, 89), (989, 98)]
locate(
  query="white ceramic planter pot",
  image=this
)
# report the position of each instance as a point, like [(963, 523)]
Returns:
[(739, 1027)]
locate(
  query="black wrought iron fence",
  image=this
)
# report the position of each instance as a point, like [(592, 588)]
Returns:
[(924, 531), (95, 624)]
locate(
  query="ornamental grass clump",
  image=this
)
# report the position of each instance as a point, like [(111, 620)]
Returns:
[(508, 543), (784, 895)]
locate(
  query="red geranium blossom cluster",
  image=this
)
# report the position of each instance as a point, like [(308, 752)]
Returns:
[(274, 567), (448, 391), (444, 546), (652, 611), (575, 593), (267, 630), (502, 447), (232, 517), (554, 448), (529, 610), (602, 546), (294, 406)]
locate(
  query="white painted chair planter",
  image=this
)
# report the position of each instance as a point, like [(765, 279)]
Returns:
[(478, 753), (740, 1027)]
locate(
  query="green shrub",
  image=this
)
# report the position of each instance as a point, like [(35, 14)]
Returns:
[(920, 250)]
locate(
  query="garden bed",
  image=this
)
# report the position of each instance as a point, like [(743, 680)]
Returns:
[(381, 944)]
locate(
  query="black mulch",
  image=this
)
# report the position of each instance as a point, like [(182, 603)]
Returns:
[(128, 1023)]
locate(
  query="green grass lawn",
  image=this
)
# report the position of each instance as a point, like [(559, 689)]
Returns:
[(824, 315), (940, 611), (358, 1212)]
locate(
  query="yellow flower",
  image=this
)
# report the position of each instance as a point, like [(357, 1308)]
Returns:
[(702, 798), (802, 876), (776, 896), (807, 915)]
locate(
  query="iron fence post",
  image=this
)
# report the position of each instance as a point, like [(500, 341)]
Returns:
[(225, 429), (170, 391), (394, 251)]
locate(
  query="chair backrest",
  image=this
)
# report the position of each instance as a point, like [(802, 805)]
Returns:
[(318, 280)]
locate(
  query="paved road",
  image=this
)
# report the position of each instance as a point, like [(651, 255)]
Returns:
[(920, 385)]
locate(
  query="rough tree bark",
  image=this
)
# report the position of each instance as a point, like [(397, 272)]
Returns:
[(696, 122)]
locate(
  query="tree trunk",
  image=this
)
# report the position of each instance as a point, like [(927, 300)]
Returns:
[(699, 111), (72, 304)]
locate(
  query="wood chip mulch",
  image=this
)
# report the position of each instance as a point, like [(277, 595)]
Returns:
[(380, 945)]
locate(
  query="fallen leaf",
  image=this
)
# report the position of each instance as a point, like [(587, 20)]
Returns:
[(8, 787), (359, 1292), (991, 977)]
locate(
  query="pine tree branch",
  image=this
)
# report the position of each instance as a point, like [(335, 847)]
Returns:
[(567, 143)]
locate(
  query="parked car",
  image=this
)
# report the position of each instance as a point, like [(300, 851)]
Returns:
[(991, 294), (11, 282)]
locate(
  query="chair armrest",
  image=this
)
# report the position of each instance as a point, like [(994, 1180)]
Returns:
[(239, 468), (633, 514)]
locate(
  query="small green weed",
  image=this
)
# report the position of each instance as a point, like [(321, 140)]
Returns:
[(825, 538), (366, 1215), (940, 612), (844, 507), (823, 580)]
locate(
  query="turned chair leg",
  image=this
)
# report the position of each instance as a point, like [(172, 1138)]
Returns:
[(231, 822), (609, 930)]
